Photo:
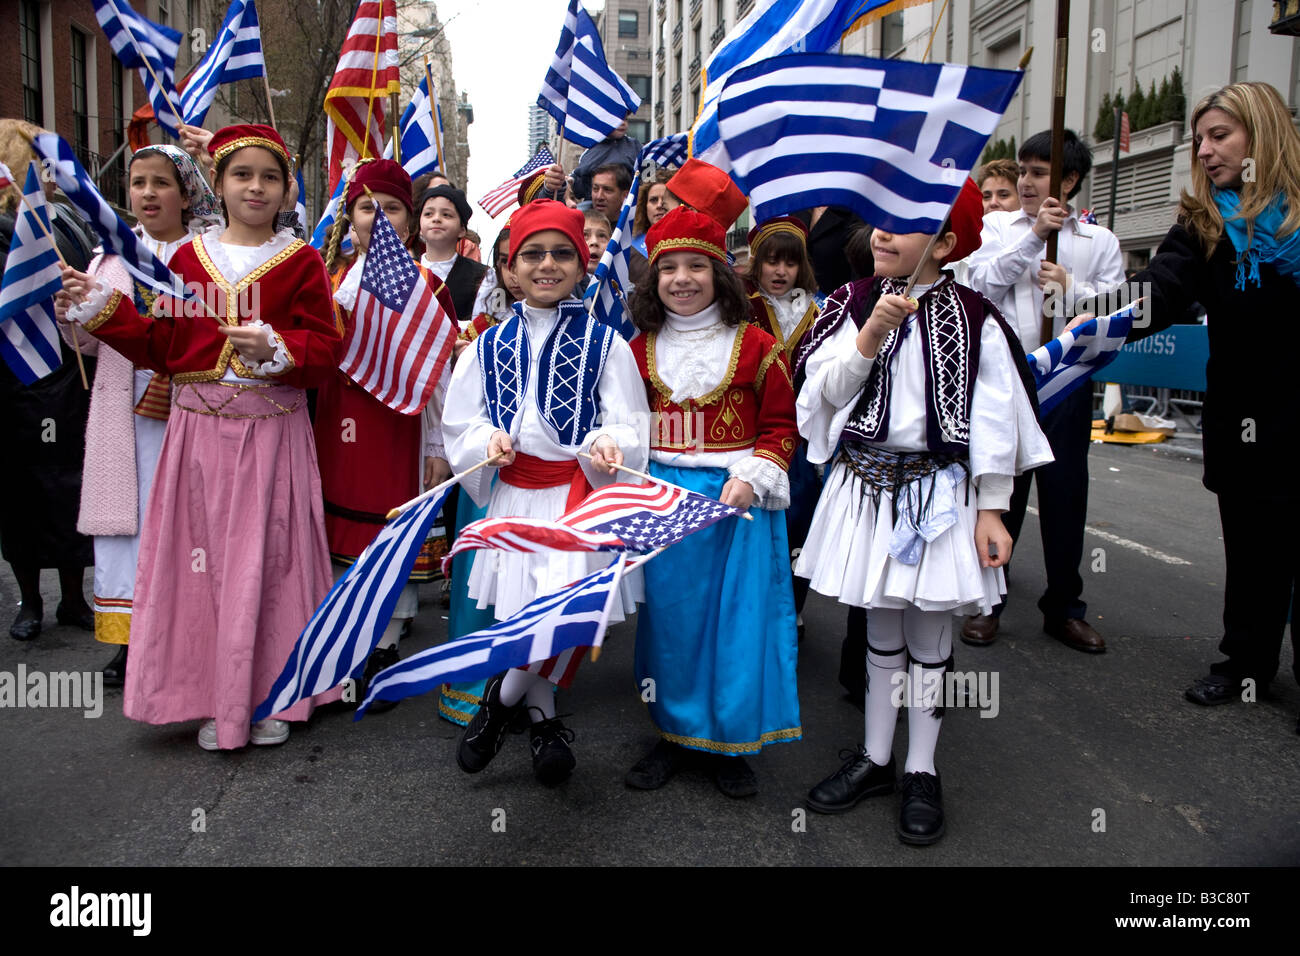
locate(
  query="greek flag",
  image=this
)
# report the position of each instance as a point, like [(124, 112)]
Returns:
[(1070, 359), (116, 235), (772, 28), (606, 294), (573, 617), (321, 234), (29, 338), (350, 621), (300, 207), (581, 90), (236, 55), (146, 46), (421, 132), (889, 139)]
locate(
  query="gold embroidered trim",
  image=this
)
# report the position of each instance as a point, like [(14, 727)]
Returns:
[(800, 330), (218, 409), (460, 695), (770, 229), (105, 313), (533, 189), (773, 457), (228, 148), (702, 445), (768, 359), (455, 716), (652, 367), (688, 244), (713, 746), (113, 627)]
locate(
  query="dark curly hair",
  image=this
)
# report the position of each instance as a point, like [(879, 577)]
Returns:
[(728, 293)]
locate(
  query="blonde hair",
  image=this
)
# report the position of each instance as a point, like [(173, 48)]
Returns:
[(1273, 143), (16, 152)]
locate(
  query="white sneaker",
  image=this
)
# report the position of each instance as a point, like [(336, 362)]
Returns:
[(269, 732), (208, 735)]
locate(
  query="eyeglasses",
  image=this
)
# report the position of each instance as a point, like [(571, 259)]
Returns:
[(561, 256)]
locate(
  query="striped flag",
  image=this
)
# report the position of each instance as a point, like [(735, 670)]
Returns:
[(350, 621), (772, 27), (116, 235), (144, 45), (889, 139), (403, 337), (581, 90), (365, 75), (670, 152), (421, 132), (29, 337), (320, 235), (1071, 359), (300, 207), (504, 196), (236, 55), (617, 517), (554, 625)]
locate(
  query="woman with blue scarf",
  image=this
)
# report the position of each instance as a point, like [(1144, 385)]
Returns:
[(1236, 250)]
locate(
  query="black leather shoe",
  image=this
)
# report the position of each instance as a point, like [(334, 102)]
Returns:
[(552, 758), (734, 777), (856, 780), (82, 617), (482, 738), (27, 625), (405, 632), (115, 670), (920, 818), (657, 767), (1214, 689), (380, 658)]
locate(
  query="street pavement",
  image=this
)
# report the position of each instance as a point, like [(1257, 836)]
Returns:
[(1089, 760)]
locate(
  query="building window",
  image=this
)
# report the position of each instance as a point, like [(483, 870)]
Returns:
[(628, 23), (80, 99), (29, 41), (891, 35), (640, 84), (639, 130), (164, 12), (695, 38), (720, 13), (114, 184)]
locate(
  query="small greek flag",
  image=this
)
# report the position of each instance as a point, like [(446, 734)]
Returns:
[(235, 55), (148, 47), (29, 337), (581, 90), (421, 133), (1071, 359)]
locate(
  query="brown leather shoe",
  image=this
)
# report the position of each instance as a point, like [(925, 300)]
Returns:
[(980, 630), (1076, 633)]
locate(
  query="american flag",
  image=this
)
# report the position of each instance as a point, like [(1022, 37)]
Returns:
[(235, 55), (1071, 359), (403, 337), (552, 627), (350, 621), (151, 49), (29, 339), (617, 517), (365, 75), (503, 197)]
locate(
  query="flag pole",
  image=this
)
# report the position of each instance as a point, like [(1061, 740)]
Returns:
[(149, 66), (433, 111), (400, 509), (76, 342), (374, 78), (266, 85), (937, 21), (1059, 64), (658, 481)]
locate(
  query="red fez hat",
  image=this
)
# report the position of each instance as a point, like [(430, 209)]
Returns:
[(709, 190), (685, 230), (966, 220), (765, 230), (230, 138), (381, 176), (541, 215), (531, 187)]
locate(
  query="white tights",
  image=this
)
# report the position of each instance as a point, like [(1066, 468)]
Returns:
[(537, 690), (893, 635)]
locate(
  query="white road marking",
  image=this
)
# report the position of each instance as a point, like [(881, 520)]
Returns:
[(1126, 543)]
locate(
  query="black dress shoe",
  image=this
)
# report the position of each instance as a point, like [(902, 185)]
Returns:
[(657, 767), (920, 818), (27, 625), (405, 632), (553, 760), (115, 670), (380, 658), (856, 780), (484, 734), (82, 617), (1214, 689), (734, 777)]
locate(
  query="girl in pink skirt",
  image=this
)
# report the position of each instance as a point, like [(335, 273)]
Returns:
[(233, 557)]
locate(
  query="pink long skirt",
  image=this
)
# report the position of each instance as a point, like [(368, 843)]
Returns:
[(233, 558)]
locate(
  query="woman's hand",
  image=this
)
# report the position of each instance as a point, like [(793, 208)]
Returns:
[(992, 540), (249, 341), (737, 493), (605, 455), (436, 471), (500, 448)]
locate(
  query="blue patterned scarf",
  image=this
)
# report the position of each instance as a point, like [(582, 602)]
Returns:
[(1264, 245)]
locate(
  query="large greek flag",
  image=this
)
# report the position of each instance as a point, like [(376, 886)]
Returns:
[(1071, 359), (235, 55), (29, 339), (421, 132), (148, 47), (581, 90), (889, 139), (350, 621), (573, 617)]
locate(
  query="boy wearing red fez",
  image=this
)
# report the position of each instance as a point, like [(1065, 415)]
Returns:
[(927, 399), (532, 393)]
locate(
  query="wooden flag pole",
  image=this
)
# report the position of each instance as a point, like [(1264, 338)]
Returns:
[(1058, 141), (433, 111), (937, 21), (270, 109), (658, 481), (149, 66), (395, 127), (76, 342), (407, 506)]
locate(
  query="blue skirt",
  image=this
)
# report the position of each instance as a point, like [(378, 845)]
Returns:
[(458, 703), (717, 632)]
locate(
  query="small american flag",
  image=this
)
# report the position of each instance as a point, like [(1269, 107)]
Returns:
[(403, 337), (503, 197)]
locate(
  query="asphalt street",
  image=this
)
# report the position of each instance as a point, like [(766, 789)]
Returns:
[(1089, 760)]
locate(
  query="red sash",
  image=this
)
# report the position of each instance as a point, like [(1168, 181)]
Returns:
[(528, 471)]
